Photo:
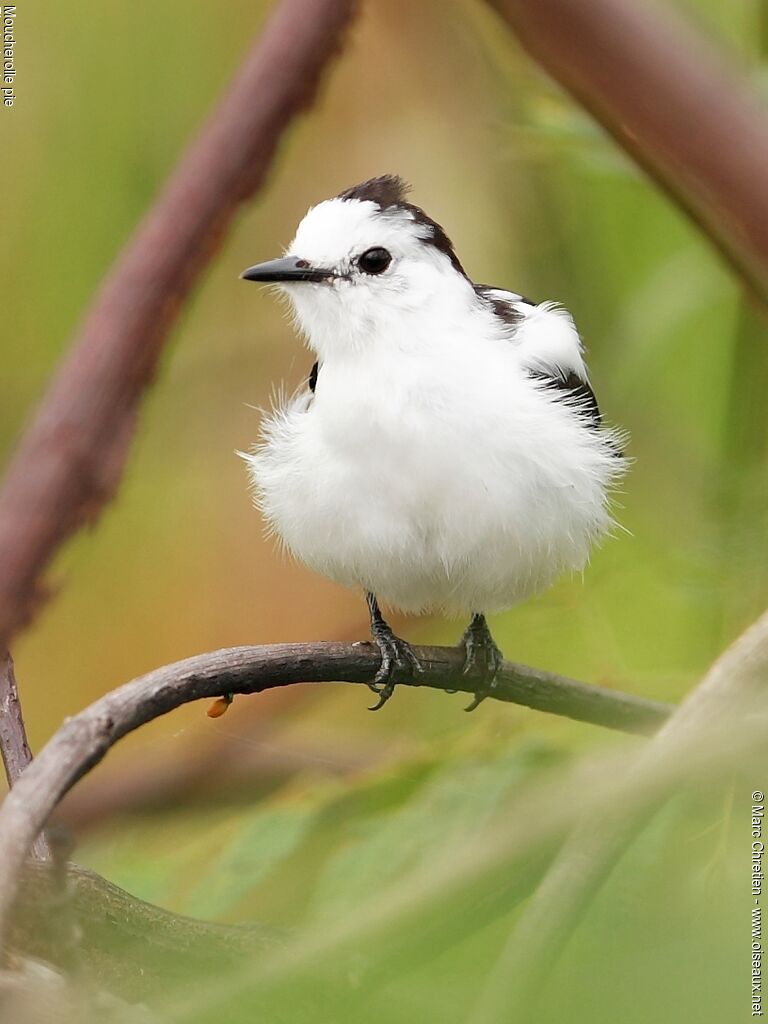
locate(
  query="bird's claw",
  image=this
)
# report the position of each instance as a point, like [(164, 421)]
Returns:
[(480, 655), (397, 658)]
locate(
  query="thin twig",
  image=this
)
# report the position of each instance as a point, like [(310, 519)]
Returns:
[(70, 460), (84, 739), (13, 735), (13, 740), (672, 102), (729, 704)]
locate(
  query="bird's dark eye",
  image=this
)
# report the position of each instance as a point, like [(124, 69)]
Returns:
[(374, 261)]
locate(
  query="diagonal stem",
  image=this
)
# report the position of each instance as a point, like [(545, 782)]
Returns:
[(729, 701), (69, 461), (14, 745), (672, 102)]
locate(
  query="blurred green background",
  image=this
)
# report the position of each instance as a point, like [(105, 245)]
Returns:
[(299, 804)]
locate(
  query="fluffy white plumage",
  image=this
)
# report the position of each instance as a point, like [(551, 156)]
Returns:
[(435, 465)]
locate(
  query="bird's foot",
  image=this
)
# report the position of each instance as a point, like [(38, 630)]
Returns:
[(397, 658), (480, 655)]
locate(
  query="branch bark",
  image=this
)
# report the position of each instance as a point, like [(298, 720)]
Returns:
[(13, 735), (83, 740), (676, 106), (68, 463), (14, 745)]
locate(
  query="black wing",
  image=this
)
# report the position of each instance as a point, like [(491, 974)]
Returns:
[(573, 388), (576, 391), (580, 397), (313, 377)]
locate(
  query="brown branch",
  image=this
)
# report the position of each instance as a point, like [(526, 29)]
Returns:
[(13, 735), (672, 103), (84, 739), (14, 745), (69, 462)]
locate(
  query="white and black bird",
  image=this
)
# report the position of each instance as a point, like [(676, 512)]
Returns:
[(448, 453)]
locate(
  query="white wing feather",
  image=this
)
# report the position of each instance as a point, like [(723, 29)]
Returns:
[(546, 338)]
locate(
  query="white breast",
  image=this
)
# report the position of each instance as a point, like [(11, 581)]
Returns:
[(443, 478)]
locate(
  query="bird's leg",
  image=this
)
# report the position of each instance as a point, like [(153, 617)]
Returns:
[(481, 653), (396, 655)]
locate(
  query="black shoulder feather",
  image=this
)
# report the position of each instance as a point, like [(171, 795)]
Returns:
[(576, 391)]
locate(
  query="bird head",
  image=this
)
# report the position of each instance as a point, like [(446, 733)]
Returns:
[(364, 265)]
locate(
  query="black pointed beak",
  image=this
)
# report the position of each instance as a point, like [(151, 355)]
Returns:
[(287, 269)]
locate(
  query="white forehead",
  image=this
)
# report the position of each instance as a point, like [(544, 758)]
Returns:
[(339, 228)]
